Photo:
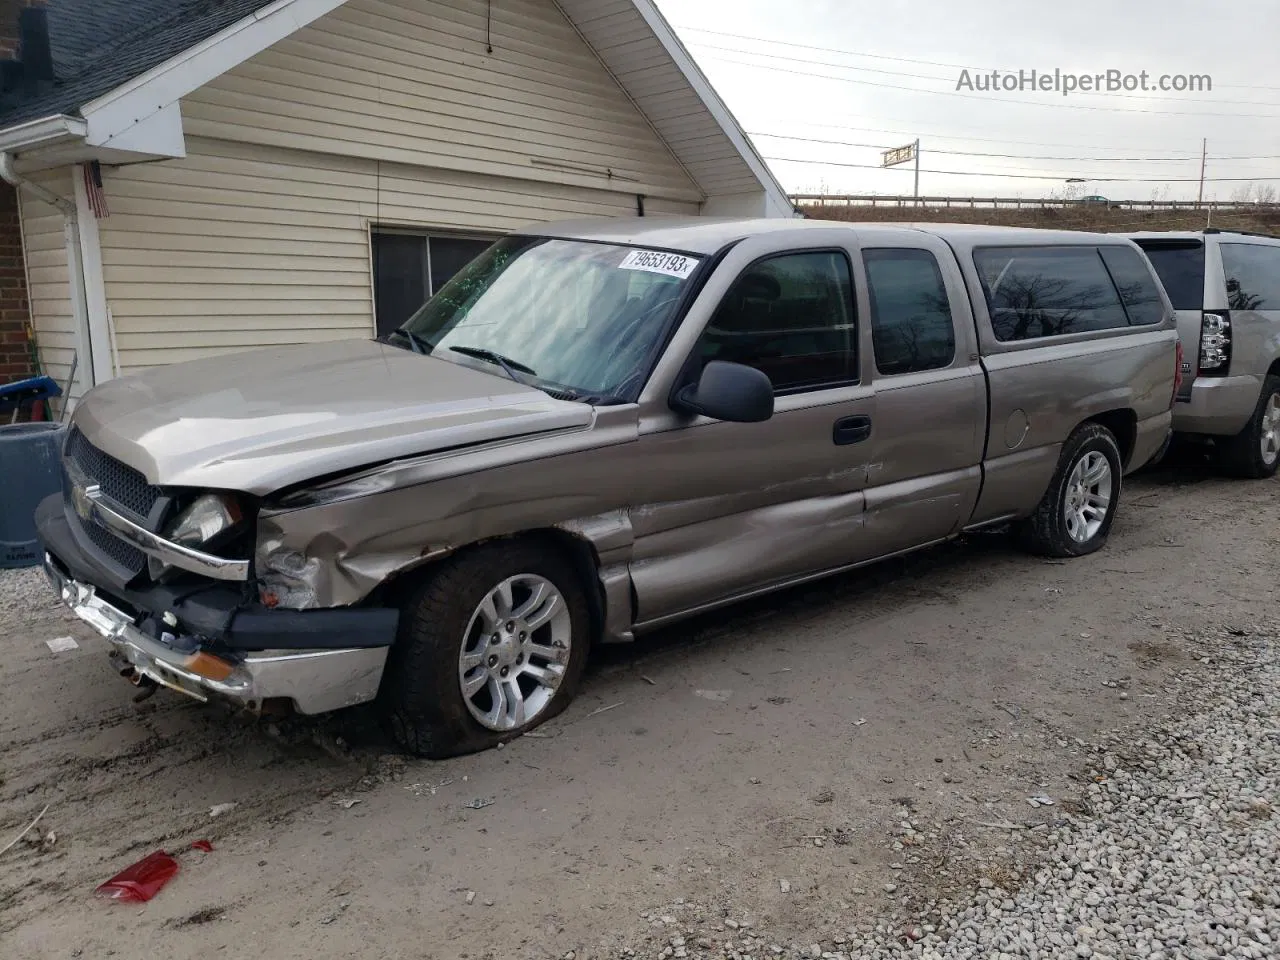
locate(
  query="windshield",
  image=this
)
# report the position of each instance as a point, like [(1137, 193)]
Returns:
[(581, 317)]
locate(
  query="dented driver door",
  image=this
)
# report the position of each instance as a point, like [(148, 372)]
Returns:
[(732, 508)]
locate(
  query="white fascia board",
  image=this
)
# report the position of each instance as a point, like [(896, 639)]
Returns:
[(776, 197), (34, 133), (164, 85), (159, 135)]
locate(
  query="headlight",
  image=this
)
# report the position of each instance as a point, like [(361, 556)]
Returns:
[(211, 515)]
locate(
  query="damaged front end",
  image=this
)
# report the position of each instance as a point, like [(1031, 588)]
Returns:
[(166, 576)]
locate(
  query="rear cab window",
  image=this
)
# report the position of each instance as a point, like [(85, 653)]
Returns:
[(911, 325), (1180, 266)]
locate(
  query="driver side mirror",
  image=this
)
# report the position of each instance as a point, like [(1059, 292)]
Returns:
[(728, 391)]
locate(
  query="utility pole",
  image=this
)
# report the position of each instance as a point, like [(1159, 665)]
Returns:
[(1204, 155), (916, 193)]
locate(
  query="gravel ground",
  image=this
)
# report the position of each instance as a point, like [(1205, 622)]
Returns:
[(1174, 853), (857, 786)]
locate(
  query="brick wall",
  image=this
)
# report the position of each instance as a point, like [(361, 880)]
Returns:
[(15, 349), (9, 12)]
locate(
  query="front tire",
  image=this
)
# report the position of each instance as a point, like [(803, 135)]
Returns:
[(1254, 453), (1076, 513), (492, 643)]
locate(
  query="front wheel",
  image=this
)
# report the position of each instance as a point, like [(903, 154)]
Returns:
[(492, 643), (1254, 453), (1076, 513)]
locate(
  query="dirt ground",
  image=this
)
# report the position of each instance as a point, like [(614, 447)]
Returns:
[(835, 753)]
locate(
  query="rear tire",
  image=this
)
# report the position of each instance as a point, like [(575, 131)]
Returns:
[(523, 594), (1254, 452), (1076, 513)]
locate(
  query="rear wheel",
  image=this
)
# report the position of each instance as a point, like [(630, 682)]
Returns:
[(1076, 513), (491, 644), (1254, 453)]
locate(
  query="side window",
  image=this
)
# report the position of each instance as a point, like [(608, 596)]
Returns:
[(1138, 290), (1047, 291), (911, 326), (1253, 276), (791, 317)]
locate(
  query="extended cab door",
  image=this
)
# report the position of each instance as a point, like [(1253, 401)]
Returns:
[(931, 405), (729, 508)]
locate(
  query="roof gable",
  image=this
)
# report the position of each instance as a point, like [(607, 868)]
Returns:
[(124, 65)]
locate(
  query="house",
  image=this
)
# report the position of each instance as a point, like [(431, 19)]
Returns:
[(202, 176)]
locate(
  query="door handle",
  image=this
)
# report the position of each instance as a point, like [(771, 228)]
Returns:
[(851, 430)]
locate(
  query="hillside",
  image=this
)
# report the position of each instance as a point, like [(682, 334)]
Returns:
[(1069, 218)]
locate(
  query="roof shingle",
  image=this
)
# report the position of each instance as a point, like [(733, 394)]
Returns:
[(98, 45)]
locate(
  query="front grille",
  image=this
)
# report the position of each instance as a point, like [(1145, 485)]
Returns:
[(124, 485)]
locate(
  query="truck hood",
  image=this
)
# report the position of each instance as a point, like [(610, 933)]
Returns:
[(267, 419)]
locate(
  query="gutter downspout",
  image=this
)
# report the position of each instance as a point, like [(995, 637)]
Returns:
[(75, 258)]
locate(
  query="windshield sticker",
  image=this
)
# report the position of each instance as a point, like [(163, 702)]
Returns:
[(656, 261)]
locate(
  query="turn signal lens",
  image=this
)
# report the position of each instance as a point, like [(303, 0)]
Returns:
[(209, 666)]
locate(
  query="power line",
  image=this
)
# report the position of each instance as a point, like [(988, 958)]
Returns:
[(921, 76), (1009, 156), (880, 56), (987, 99), (1190, 155), (1023, 176)]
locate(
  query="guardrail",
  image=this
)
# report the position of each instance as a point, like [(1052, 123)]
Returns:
[(1021, 203)]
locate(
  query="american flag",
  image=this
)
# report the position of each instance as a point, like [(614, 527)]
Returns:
[(93, 188)]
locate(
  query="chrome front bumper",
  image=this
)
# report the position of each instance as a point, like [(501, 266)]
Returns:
[(316, 681)]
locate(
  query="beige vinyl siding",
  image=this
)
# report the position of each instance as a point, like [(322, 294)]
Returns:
[(242, 245), (410, 82), (49, 280)]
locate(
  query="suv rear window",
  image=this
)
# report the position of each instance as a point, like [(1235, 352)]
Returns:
[(1180, 266)]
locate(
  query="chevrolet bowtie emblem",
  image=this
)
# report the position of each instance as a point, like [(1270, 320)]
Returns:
[(81, 499)]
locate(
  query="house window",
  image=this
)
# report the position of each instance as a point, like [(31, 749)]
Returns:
[(410, 268)]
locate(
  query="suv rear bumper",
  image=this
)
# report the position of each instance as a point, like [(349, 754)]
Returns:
[(1219, 406)]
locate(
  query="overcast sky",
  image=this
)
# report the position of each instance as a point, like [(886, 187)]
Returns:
[(829, 70)]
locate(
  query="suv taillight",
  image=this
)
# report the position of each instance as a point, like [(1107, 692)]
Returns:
[(1215, 343)]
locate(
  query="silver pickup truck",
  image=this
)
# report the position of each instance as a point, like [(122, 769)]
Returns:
[(594, 429)]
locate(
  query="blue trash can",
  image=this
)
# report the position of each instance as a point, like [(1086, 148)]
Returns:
[(29, 472)]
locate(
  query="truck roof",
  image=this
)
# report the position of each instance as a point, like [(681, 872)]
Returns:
[(705, 235)]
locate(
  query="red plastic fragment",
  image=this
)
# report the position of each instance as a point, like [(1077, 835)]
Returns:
[(142, 881)]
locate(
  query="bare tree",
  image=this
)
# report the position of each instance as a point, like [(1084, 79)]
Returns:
[(1242, 194)]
